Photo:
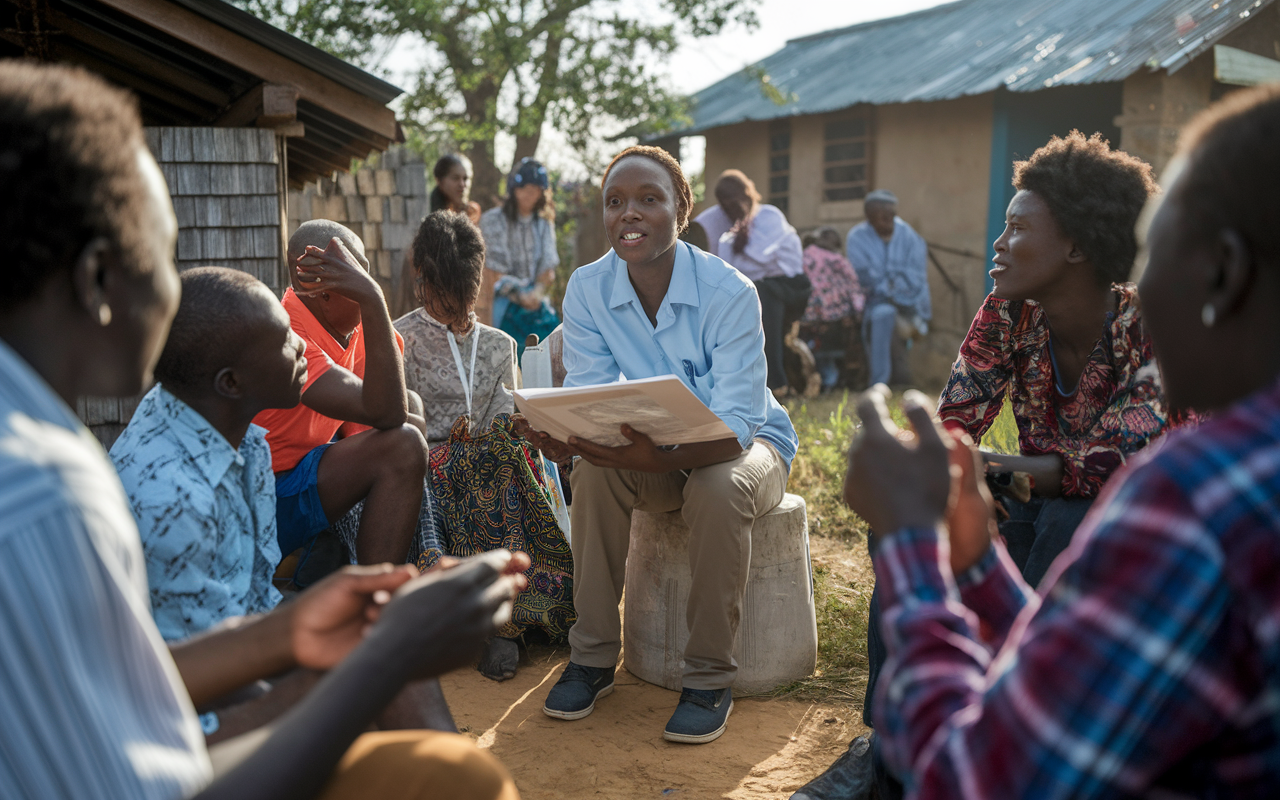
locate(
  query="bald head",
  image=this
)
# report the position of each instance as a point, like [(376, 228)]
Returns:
[(318, 233)]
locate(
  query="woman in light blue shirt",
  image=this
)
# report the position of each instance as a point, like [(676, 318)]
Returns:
[(658, 306)]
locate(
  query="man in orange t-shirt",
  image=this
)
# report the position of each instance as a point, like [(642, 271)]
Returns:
[(355, 382)]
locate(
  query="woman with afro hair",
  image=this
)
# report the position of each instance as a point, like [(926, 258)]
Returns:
[(1061, 338)]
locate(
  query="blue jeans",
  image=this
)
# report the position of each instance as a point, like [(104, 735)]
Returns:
[(878, 324)]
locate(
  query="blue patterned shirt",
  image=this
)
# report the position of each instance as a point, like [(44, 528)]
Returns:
[(206, 512)]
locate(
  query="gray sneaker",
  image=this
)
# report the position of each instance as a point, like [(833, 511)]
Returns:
[(574, 696), (701, 716)]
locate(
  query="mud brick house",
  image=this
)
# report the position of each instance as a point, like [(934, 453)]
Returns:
[(937, 105)]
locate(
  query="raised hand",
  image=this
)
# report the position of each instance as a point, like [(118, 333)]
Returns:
[(971, 521), (330, 619), (334, 270), (898, 479)]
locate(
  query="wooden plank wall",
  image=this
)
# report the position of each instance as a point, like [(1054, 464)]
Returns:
[(225, 188), (383, 202)]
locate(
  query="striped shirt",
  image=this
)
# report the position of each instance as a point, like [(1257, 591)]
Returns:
[(1151, 666), (91, 703)]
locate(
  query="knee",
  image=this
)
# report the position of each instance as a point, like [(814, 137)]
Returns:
[(726, 490), (475, 774), (403, 451)]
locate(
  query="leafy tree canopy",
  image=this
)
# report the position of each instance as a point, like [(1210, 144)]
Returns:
[(592, 68)]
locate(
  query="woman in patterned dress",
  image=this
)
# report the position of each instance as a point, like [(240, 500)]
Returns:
[(486, 483)]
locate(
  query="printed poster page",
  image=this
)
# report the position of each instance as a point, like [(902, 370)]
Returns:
[(662, 408)]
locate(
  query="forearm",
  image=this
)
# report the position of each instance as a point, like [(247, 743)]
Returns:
[(700, 454), (297, 759), (279, 696), (995, 591), (484, 301), (241, 651), (383, 394)]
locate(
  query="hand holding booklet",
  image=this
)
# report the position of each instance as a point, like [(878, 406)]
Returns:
[(662, 408)]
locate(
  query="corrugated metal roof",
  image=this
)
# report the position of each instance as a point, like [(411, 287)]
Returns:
[(971, 47)]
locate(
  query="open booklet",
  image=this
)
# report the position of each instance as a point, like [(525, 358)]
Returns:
[(662, 408)]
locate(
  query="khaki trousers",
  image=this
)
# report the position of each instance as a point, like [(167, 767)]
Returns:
[(719, 504)]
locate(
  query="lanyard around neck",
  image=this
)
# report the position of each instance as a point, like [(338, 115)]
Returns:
[(467, 381)]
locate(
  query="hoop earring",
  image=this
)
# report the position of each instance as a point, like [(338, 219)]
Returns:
[(1208, 315)]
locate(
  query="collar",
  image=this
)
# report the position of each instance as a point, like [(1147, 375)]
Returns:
[(209, 450), (683, 288)]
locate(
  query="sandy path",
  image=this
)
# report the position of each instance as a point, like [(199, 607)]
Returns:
[(772, 747)]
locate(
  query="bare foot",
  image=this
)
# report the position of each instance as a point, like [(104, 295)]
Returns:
[(500, 658)]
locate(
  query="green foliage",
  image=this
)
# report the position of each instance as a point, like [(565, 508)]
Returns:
[(767, 88), (593, 68)]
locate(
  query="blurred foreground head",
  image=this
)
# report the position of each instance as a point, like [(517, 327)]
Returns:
[(89, 280), (1211, 285)]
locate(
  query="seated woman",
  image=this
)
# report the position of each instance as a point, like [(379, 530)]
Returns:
[(765, 248), (453, 186), (486, 483), (520, 257), (1061, 337), (830, 322), (657, 306)]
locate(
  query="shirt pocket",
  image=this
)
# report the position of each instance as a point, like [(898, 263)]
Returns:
[(698, 378)]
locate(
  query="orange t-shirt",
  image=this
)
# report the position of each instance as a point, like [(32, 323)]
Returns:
[(294, 432)]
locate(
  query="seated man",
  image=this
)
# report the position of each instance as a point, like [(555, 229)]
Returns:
[(657, 306), (95, 704), (354, 375), (891, 261), (198, 477), (1147, 665)]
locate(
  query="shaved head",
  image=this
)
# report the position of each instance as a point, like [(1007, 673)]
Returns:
[(318, 233), (221, 310)]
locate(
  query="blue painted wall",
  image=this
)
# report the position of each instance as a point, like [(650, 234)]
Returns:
[(1023, 121)]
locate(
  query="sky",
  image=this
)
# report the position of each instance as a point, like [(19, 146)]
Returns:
[(701, 62)]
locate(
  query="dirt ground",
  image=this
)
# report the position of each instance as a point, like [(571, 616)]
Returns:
[(773, 745)]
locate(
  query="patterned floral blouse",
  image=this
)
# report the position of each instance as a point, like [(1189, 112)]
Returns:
[(836, 293), (430, 370), (1117, 409)]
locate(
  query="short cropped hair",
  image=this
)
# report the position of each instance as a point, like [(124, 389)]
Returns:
[(318, 233), (215, 321), (1233, 175), (684, 193), (68, 164), (448, 261), (1095, 194)]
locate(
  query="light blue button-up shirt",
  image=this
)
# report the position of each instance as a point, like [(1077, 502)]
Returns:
[(708, 334), (206, 513)]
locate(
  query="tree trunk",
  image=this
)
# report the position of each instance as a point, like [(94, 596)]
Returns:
[(488, 183), (531, 117)]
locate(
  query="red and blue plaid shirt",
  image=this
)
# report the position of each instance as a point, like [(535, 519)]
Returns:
[(1151, 665)]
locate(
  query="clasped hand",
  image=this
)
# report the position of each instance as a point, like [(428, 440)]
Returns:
[(920, 478), (641, 455), (440, 618)]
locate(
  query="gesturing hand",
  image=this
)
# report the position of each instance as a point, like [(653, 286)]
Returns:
[(334, 270), (331, 618), (441, 620), (897, 479), (971, 519)]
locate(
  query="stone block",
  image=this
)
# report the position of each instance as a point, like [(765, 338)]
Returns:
[(365, 182), (385, 182), (355, 208), (415, 208), (394, 210), (373, 208), (411, 180), (335, 208), (347, 183), (398, 235), (371, 237)]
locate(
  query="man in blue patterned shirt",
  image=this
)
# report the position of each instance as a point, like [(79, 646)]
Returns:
[(204, 493)]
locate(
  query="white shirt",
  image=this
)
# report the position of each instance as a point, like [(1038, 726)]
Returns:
[(91, 701), (716, 223), (773, 247)]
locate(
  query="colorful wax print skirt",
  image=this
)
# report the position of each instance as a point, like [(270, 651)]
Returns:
[(490, 491)]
